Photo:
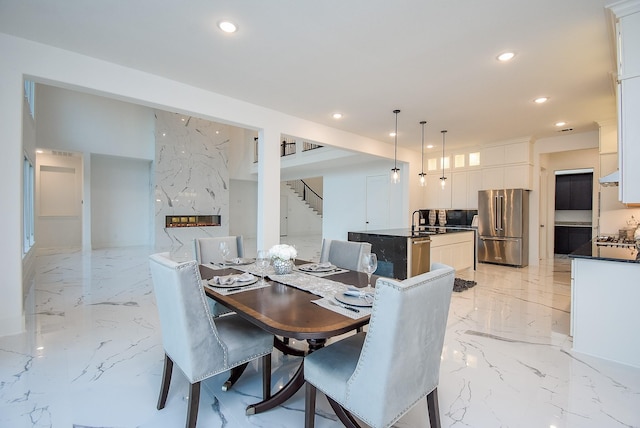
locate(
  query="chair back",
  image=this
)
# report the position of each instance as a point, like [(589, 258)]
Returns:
[(400, 359), (344, 254), (207, 250), (189, 335)]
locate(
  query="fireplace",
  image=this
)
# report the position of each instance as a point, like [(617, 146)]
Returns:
[(192, 220)]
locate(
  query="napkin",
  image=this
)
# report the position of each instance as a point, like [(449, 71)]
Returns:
[(319, 266), (231, 279), (235, 261)]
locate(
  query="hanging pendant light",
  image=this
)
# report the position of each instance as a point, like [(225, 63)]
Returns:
[(422, 175), (443, 179), (395, 171)]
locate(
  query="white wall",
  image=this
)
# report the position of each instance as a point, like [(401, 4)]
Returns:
[(121, 210), (301, 220), (345, 200)]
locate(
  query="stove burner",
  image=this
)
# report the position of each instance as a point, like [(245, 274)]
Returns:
[(614, 241)]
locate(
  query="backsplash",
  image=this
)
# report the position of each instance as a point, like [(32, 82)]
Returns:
[(454, 217)]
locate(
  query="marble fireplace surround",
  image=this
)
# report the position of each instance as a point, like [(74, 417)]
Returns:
[(192, 177)]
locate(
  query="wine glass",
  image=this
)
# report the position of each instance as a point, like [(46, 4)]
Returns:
[(224, 249), (369, 263), (262, 263)]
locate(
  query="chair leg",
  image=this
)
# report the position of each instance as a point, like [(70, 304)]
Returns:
[(166, 380), (266, 376), (434, 408), (194, 401), (309, 406), (236, 372)]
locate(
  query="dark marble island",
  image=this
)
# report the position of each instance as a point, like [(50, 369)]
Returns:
[(394, 247)]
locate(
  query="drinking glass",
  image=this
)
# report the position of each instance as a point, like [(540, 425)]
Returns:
[(369, 264), (224, 249), (262, 263)]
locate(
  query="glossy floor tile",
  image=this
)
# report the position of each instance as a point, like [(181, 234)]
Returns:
[(92, 356)]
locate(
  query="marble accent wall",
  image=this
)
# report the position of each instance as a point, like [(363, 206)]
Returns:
[(191, 178)]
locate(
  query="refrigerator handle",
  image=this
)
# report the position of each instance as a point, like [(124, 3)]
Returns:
[(501, 212), (496, 215)]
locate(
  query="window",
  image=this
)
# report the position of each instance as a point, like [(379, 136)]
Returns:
[(459, 161), (474, 159), (28, 239), (432, 164), (30, 95), (444, 163)]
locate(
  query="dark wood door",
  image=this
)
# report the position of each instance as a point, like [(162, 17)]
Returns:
[(563, 192)]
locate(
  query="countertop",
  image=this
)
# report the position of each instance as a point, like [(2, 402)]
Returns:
[(598, 252), (573, 223), (422, 232)]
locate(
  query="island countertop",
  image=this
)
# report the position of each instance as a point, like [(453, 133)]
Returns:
[(602, 252), (422, 231)]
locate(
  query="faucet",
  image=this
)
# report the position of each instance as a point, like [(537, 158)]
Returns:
[(413, 225)]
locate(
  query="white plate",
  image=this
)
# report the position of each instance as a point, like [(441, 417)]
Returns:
[(236, 284), (354, 301), (238, 262), (313, 267)]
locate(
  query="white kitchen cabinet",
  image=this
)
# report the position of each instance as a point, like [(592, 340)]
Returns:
[(464, 189), (629, 143), (438, 197), (475, 184), (629, 46), (493, 178), (453, 249), (518, 176)]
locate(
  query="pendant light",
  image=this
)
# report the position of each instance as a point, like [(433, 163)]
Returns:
[(443, 179), (395, 171), (422, 175)]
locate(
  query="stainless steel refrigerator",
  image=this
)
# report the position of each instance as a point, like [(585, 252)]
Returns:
[(503, 226)]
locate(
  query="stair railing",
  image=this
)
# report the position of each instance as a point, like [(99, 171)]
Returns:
[(307, 194)]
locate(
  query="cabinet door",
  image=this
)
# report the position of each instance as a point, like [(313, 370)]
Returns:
[(629, 27), (629, 135), (581, 196), (563, 192), (578, 236), (474, 184), (459, 186), (561, 240)]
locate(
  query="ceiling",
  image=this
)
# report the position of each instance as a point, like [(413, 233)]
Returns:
[(434, 60)]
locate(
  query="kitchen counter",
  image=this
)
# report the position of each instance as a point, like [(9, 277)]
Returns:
[(573, 223), (422, 231), (600, 252)]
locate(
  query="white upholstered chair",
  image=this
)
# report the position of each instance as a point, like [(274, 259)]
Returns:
[(344, 254), (199, 345), (379, 375), (207, 250)]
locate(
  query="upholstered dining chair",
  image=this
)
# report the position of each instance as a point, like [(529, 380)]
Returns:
[(378, 376), (344, 254), (198, 344), (207, 250)]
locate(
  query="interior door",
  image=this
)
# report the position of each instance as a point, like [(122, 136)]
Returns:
[(377, 203), (542, 247), (284, 214)]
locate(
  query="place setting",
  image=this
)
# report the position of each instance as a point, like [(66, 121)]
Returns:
[(353, 302), (235, 283), (320, 269)]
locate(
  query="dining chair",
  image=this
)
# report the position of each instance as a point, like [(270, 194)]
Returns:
[(344, 254), (379, 375), (207, 250), (198, 344)]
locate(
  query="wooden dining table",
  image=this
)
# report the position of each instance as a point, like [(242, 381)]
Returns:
[(288, 312)]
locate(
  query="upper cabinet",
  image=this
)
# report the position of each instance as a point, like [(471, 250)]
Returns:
[(627, 15)]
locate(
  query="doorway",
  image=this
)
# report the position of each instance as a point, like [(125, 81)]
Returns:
[(573, 209)]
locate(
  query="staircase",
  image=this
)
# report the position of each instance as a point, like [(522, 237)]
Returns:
[(311, 198)]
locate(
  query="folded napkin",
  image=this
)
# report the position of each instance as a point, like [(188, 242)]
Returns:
[(319, 266), (231, 279), (361, 294), (235, 261)]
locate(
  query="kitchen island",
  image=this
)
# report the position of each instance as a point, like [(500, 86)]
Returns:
[(605, 291), (396, 249)]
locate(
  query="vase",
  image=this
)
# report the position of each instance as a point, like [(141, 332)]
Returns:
[(282, 267)]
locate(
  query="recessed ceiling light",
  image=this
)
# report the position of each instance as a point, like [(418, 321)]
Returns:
[(227, 27), (392, 134), (541, 100), (506, 56), (337, 115), (560, 123), (429, 146)]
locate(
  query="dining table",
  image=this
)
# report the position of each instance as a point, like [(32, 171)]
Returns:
[(288, 311)]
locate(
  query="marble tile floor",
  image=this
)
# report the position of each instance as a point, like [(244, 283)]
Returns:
[(91, 356)]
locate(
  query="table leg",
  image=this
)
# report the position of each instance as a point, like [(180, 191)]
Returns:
[(294, 384)]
